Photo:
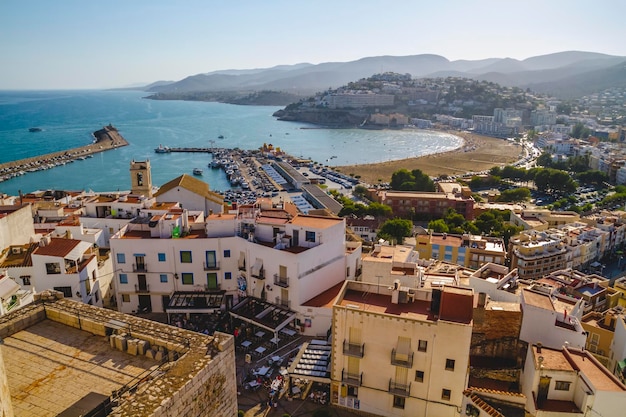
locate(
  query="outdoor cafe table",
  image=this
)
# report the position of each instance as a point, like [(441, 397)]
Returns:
[(262, 370), (260, 350), (259, 334), (287, 331), (246, 343)]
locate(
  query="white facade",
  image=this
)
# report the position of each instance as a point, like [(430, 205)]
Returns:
[(265, 254), (541, 323), (16, 225), (617, 352), (70, 266), (572, 379)]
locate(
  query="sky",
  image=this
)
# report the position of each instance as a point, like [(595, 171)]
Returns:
[(77, 44)]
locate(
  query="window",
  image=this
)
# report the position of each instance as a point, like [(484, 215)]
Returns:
[(97, 295), (161, 257), (419, 376), (53, 268), (185, 256), (25, 279), (228, 275), (310, 237), (121, 258), (449, 364), (123, 279), (562, 385), (163, 277), (445, 394), (67, 291), (398, 402), (187, 278), (227, 253), (211, 279), (125, 298), (422, 345)]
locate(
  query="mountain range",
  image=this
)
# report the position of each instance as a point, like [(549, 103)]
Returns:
[(564, 75)]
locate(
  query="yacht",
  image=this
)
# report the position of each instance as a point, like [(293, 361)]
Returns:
[(197, 171)]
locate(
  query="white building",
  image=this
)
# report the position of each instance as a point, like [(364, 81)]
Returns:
[(541, 323), (16, 225), (570, 382), (273, 255), (71, 267), (192, 194)]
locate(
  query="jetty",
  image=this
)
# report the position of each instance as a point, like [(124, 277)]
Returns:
[(105, 139), (192, 150)]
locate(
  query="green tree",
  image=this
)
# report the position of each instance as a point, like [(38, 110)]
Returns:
[(396, 230), (438, 226), (379, 210)]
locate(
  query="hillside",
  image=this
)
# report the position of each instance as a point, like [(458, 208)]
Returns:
[(563, 69)]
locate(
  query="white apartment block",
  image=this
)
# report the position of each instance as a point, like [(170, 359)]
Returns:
[(358, 100), (399, 351), (254, 251)]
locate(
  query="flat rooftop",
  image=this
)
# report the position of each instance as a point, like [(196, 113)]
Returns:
[(537, 299), (50, 366), (381, 304)]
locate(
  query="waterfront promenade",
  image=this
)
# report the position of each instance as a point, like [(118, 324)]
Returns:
[(105, 139)]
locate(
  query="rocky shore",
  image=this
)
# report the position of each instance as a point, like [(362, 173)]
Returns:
[(104, 139)]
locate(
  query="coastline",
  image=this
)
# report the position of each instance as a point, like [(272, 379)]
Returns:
[(105, 139), (477, 153)]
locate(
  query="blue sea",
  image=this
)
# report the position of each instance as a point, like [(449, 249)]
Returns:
[(67, 119)]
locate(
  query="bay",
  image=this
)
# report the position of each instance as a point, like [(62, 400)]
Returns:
[(67, 119)]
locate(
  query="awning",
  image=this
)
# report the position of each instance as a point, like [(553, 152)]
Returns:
[(312, 362), (183, 302), (256, 268), (139, 254)]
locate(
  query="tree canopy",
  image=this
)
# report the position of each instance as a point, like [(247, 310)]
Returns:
[(416, 180), (395, 230)]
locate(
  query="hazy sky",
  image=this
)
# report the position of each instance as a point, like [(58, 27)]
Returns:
[(66, 44)]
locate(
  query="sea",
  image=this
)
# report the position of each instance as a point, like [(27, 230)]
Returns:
[(68, 118)]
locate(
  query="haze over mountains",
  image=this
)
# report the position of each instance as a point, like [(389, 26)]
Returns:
[(565, 75)]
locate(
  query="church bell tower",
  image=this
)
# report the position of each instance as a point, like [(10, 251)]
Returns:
[(140, 178)]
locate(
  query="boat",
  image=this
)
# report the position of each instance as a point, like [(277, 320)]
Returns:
[(220, 137), (35, 129), (197, 171), (162, 149)]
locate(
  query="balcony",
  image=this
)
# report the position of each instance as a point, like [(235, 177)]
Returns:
[(140, 267), (281, 281), (401, 390), (260, 274), (405, 361), (353, 349), (241, 266), (351, 379), (212, 266), (283, 302), (142, 288), (215, 287)]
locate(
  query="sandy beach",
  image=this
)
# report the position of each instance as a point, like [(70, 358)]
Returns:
[(478, 153)]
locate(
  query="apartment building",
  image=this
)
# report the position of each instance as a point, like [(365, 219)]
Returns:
[(401, 351), (255, 251), (409, 204), (535, 254), (470, 251)]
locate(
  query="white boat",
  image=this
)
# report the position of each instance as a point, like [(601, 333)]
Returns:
[(162, 149), (197, 171)]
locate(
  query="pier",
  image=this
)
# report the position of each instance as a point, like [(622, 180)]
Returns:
[(196, 150), (105, 139)]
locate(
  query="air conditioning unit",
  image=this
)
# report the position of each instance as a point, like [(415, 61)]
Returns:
[(16, 250)]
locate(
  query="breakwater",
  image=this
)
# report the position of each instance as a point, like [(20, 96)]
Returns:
[(105, 139)]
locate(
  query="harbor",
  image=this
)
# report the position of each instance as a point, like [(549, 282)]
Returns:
[(105, 139)]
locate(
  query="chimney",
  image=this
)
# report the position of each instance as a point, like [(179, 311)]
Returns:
[(482, 299), (539, 345)]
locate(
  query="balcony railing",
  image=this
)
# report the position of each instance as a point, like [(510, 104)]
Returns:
[(215, 287), (212, 266), (283, 303), (405, 361), (140, 267), (353, 349), (401, 390), (281, 281), (351, 379), (142, 288)]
